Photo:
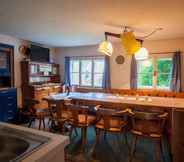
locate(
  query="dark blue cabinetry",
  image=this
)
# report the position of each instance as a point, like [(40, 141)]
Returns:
[(8, 104)]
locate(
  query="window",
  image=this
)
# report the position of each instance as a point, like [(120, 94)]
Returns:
[(87, 71), (154, 73)]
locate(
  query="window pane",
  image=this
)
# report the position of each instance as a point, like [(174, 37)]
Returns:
[(98, 66), (98, 80), (145, 80), (145, 66), (86, 66), (74, 78), (145, 74), (164, 65), (163, 81), (86, 79), (74, 66)]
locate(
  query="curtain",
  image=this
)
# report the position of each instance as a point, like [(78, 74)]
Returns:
[(106, 83), (175, 84), (67, 71), (133, 74)]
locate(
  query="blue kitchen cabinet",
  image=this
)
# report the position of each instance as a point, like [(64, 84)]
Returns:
[(8, 104)]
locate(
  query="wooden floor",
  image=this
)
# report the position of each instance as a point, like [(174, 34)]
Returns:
[(110, 149)]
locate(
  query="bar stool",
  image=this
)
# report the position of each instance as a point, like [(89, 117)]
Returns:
[(149, 125), (80, 118), (109, 121), (34, 114)]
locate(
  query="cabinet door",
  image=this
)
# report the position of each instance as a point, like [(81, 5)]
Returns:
[(9, 105), (1, 107)]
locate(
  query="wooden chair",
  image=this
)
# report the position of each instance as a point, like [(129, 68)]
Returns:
[(34, 114), (148, 125), (109, 121), (59, 116), (80, 118)]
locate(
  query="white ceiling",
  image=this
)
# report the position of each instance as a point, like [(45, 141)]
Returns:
[(83, 22)]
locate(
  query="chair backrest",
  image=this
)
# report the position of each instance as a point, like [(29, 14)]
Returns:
[(146, 115), (159, 117), (110, 115), (29, 104), (76, 111)]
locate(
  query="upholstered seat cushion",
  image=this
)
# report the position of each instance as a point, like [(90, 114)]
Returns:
[(90, 119), (111, 124), (83, 120), (66, 114), (147, 128)]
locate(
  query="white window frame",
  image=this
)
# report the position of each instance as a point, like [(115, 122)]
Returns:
[(92, 58), (155, 72)]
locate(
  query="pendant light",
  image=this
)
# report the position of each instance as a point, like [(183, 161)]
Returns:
[(131, 44), (105, 47), (142, 53)]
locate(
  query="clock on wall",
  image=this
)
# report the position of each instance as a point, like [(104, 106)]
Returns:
[(120, 59)]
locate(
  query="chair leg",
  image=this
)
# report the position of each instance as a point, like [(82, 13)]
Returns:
[(133, 149), (40, 120), (76, 133), (43, 120), (158, 151), (97, 131), (49, 121), (169, 148), (30, 122), (83, 136), (105, 135), (126, 140), (162, 150), (70, 133)]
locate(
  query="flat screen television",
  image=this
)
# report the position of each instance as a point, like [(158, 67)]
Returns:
[(39, 54)]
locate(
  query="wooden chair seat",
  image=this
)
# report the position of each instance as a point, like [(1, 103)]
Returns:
[(147, 128), (42, 112), (115, 125)]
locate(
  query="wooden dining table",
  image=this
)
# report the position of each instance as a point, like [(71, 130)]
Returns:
[(173, 105)]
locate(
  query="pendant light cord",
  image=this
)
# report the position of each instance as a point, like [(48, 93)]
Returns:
[(153, 32)]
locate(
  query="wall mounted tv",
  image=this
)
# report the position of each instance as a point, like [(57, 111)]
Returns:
[(39, 54)]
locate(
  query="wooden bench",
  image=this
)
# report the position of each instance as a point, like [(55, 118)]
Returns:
[(140, 92)]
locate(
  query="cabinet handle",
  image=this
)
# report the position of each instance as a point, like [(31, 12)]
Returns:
[(10, 104), (10, 97), (10, 111)]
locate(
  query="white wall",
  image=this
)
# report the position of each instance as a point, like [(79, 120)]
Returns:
[(120, 74), (17, 58)]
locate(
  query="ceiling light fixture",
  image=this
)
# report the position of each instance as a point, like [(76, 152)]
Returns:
[(142, 53), (131, 44), (105, 47)]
